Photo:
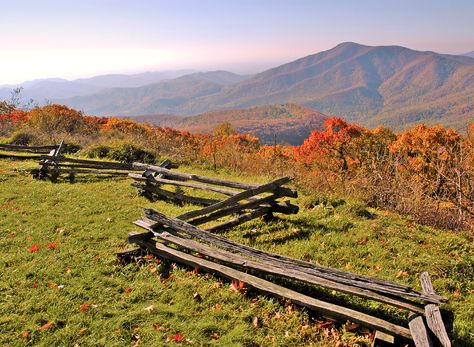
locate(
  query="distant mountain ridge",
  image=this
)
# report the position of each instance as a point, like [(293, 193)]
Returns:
[(58, 88), (163, 97), (389, 85), (282, 123), (470, 54)]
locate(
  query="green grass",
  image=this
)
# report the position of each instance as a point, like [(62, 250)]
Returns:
[(89, 220)]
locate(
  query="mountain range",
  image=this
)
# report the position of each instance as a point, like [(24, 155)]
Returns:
[(57, 88), (372, 85)]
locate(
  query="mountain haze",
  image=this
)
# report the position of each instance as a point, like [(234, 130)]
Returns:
[(381, 85), (163, 97), (58, 88)]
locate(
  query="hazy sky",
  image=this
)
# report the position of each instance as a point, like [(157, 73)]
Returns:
[(80, 38)]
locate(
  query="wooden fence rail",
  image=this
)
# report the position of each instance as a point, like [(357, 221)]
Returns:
[(242, 203), (177, 239), (245, 202), (32, 152), (54, 165)]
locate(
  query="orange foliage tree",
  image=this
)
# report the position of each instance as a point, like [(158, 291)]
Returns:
[(435, 160), (333, 142), (55, 120)]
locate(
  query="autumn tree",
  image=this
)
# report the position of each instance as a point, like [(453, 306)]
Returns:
[(330, 147), (224, 129), (54, 120), (434, 159)]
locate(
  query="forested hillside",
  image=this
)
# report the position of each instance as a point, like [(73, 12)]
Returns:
[(382, 85)]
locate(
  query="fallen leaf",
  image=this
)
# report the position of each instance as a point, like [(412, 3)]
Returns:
[(177, 337), (127, 290), (52, 245), (351, 326), (152, 269), (325, 324), (290, 308), (34, 284), (157, 327), (29, 237), (401, 273), (110, 220), (383, 242), (216, 285), (68, 270), (362, 241), (25, 334), (196, 270), (255, 322), (149, 308), (215, 336), (52, 284), (237, 285), (217, 307), (305, 329), (34, 248), (84, 307), (47, 326)]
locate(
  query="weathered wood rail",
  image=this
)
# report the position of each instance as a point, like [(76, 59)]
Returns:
[(33, 152), (241, 203), (55, 165), (177, 239)]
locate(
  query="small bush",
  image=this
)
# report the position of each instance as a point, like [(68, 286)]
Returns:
[(97, 151), (128, 153), (70, 148), (22, 138)]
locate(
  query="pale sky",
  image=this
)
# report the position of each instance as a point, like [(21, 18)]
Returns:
[(81, 38)]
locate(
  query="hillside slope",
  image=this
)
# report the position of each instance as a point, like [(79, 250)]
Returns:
[(163, 97), (73, 287), (285, 123), (372, 85)]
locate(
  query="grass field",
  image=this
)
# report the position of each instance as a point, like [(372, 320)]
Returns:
[(72, 291)]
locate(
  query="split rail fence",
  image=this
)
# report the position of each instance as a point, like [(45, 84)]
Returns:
[(241, 203), (52, 166), (184, 240), (30, 152)]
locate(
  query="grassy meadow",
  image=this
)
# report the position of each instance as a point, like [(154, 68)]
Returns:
[(72, 291)]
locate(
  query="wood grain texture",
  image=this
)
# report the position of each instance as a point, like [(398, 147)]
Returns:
[(434, 319), (328, 309)]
